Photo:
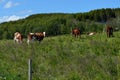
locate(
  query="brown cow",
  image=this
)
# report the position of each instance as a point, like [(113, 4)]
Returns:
[(109, 31), (76, 32), (18, 37), (35, 36)]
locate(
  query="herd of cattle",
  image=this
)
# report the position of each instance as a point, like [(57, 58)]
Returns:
[(31, 37), (77, 32), (40, 35)]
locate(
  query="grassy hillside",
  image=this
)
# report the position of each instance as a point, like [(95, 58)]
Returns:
[(62, 58)]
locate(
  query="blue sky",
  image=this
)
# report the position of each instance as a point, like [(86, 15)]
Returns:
[(17, 9)]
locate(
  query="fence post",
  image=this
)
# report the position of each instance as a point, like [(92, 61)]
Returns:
[(30, 69)]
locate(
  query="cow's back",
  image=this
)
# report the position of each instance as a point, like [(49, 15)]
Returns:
[(76, 32), (35, 36)]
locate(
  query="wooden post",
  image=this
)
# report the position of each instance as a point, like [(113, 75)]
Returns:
[(30, 69)]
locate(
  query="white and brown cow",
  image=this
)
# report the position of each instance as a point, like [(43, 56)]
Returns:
[(91, 33), (35, 36), (18, 37)]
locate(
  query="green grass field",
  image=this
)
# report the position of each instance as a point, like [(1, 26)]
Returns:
[(62, 58)]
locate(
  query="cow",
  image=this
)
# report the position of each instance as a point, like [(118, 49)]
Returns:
[(35, 36), (109, 31), (76, 32), (91, 33), (18, 37)]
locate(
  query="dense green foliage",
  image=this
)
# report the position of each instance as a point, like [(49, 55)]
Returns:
[(62, 58), (60, 23)]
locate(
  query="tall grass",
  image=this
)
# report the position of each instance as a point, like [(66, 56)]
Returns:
[(62, 58)]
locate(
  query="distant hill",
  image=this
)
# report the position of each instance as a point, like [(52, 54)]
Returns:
[(59, 23)]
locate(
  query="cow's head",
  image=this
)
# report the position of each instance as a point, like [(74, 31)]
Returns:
[(44, 34)]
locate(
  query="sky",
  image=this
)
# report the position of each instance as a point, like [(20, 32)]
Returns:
[(11, 10)]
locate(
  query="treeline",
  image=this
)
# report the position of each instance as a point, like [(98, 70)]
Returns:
[(61, 23), (100, 15)]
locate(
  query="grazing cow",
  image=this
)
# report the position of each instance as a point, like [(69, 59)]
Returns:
[(91, 33), (18, 37), (76, 32), (109, 31), (35, 36)]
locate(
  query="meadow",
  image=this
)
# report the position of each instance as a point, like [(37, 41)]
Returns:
[(62, 58)]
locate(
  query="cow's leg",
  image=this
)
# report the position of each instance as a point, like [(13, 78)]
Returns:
[(111, 34), (28, 41), (14, 39), (20, 41), (80, 35), (39, 41), (75, 35), (107, 34)]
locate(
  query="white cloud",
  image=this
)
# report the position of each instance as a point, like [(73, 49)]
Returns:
[(10, 4), (10, 18)]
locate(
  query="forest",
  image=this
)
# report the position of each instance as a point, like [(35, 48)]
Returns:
[(62, 23)]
